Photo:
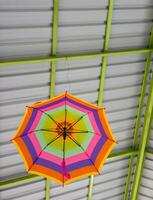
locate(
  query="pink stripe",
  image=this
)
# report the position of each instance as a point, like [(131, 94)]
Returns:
[(35, 143), (83, 156), (75, 158), (92, 144), (35, 122), (93, 123), (44, 154), (39, 115), (90, 115), (58, 160), (51, 157), (77, 107)]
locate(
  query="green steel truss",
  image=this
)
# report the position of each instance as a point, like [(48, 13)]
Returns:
[(137, 125), (142, 151)]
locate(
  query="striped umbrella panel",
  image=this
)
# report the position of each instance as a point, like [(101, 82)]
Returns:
[(64, 138)]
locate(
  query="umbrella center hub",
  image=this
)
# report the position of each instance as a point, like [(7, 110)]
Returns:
[(65, 129), (64, 132)]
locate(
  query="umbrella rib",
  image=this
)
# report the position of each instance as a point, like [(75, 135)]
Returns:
[(63, 157), (59, 126), (82, 131), (76, 142), (44, 149), (112, 140), (76, 121), (65, 110), (37, 130)]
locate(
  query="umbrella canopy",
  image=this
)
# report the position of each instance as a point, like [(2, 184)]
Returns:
[(64, 138)]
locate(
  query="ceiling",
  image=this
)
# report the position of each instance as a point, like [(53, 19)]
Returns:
[(100, 51)]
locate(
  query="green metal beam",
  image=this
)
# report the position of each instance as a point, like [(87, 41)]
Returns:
[(53, 70), (10, 62), (54, 47), (149, 153), (104, 59), (26, 179), (151, 122), (19, 180), (102, 75), (143, 142), (139, 112), (47, 189)]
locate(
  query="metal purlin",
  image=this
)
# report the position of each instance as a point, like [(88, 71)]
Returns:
[(53, 70), (10, 62), (102, 75), (139, 112)]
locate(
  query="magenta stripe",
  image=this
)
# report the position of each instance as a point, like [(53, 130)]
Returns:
[(70, 167), (78, 164)]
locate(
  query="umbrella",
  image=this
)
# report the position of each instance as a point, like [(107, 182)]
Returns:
[(64, 138)]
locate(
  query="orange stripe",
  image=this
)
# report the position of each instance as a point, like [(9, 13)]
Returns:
[(105, 124), (76, 174), (76, 99), (80, 173), (82, 170), (23, 123), (46, 172), (51, 174), (103, 154), (25, 155)]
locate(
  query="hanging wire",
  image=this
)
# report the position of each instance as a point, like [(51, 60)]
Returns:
[(68, 73)]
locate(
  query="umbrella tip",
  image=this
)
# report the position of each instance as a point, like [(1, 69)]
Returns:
[(66, 92)]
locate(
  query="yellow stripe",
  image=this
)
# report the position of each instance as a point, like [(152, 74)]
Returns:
[(80, 177), (60, 182)]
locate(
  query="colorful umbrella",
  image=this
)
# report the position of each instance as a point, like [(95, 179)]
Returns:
[(64, 138)]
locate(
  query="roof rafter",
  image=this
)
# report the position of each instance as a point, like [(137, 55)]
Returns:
[(139, 112)]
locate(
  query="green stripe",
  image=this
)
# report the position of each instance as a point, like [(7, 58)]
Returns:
[(83, 138)]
